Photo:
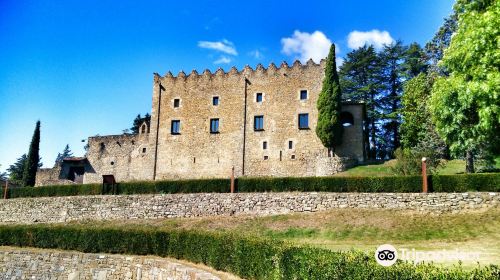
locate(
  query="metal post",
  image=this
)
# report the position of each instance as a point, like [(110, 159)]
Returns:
[(232, 180), (6, 188), (424, 175)]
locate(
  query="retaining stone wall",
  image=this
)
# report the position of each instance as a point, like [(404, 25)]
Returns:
[(51, 264), (63, 209)]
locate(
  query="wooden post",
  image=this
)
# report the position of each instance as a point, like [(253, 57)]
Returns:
[(232, 180), (424, 175), (6, 188)]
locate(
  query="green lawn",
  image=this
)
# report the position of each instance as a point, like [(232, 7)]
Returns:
[(383, 168)]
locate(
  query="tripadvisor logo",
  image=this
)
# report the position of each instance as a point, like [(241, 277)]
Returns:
[(386, 255)]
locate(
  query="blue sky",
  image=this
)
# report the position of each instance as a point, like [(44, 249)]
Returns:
[(85, 67)]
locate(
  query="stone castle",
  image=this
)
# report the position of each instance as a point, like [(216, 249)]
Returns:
[(259, 121)]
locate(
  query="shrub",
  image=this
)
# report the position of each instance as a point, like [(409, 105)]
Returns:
[(247, 257), (438, 183), (486, 182), (58, 190), (409, 161)]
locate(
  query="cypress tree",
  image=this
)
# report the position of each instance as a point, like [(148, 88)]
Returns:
[(329, 128), (31, 166)]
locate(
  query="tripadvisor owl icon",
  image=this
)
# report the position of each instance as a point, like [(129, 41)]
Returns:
[(386, 255)]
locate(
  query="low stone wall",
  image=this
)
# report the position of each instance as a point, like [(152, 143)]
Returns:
[(64, 209), (17, 263)]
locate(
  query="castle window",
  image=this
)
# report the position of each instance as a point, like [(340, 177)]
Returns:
[(293, 157), (346, 119), (214, 125), (264, 145), (258, 123), (175, 127), (143, 128), (143, 150), (258, 97), (177, 102), (303, 121), (303, 94), (290, 145), (266, 157), (215, 101)]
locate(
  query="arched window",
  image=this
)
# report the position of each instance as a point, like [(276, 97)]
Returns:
[(346, 119), (143, 128)]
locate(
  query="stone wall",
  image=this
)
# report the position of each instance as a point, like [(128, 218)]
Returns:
[(17, 263), (197, 153), (127, 157), (64, 209)]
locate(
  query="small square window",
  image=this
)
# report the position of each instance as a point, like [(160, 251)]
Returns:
[(303, 94), (175, 127), (258, 122), (214, 125), (303, 121), (258, 97), (293, 156), (290, 145), (264, 145), (177, 102), (266, 157), (215, 101)]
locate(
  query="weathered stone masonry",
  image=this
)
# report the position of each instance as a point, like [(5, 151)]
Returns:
[(17, 263), (280, 148), (64, 209)]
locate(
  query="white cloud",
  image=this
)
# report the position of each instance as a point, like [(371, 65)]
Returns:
[(307, 45), (377, 38), (256, 54), (223, 60), (224, 46)]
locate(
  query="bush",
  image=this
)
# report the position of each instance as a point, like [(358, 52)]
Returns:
[(332, 184), (402, 184), (58, 190), (483, 182), (409, 161), (247, 257)]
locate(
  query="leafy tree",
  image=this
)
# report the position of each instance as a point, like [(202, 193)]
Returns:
[(138, 121), (359, 79), (435, 48), (391, 77), (329, 128), (66, 153), (33, 158), (466, 105), (415, 111), (3, 175), (16, 170), (415, 61)]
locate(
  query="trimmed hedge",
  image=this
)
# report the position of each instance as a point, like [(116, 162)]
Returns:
[(332, 184), (247, 257), (58, 190), (483, 182), (438, 183)]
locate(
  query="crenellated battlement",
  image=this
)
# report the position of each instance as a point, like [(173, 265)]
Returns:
[(284, 68)]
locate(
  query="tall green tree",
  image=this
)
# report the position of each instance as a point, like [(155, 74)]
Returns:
[(16, 170), (359, 79), (434, 49), (466, 104), (138, 121), (65, 153), (33, 158), (392, 74), (329, 128), (415, 61)]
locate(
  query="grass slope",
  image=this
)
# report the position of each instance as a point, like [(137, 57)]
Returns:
[(345, 229)]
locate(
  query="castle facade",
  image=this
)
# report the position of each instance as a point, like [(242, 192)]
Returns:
[(259, 121)]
